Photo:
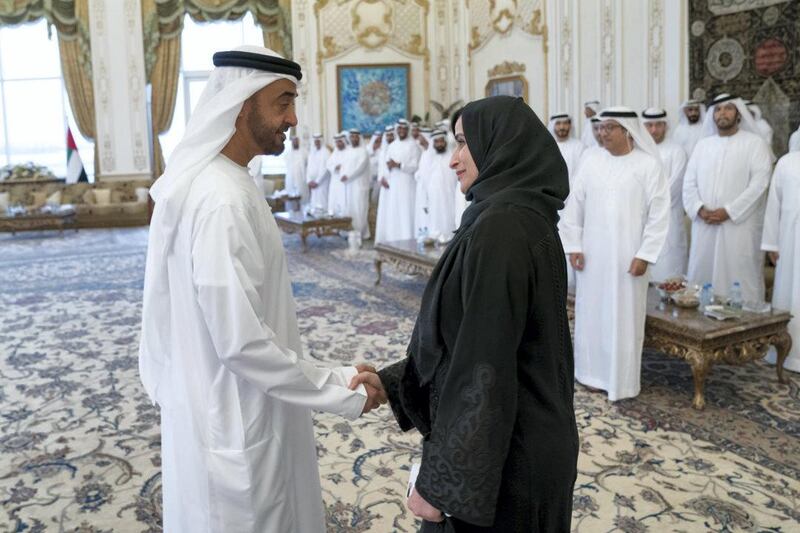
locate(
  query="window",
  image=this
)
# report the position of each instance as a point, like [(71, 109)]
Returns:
[(34, 107), (199, 41)]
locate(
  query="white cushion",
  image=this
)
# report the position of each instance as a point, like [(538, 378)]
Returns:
[(5, 198), (141, 194), (54, 198), (102, 196)]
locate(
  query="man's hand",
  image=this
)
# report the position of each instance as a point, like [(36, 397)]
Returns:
[(312, 185), (773, 257), (368, 376), (391, 163), (713, 217), (344, 178), (638, 267), (422, 509), (384, 183), (423, 141), (577, 261)]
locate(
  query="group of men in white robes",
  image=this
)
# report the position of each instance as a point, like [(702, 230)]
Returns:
[(614, 211)]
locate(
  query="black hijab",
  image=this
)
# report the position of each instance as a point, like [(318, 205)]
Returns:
[(518, 163)]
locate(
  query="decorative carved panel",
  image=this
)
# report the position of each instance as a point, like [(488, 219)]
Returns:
[(491, 17), (343, 25)]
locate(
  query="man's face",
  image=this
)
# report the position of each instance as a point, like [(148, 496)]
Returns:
[(615, 137), (596, 132), (318, 143), (295, 143), (355, 139), (589, 112), (414, 132), (726, 116), (267, 116), (562, 127), (389, 137), (440, 145), (692, 113), (658, 130), (340, 144), (402, 132)]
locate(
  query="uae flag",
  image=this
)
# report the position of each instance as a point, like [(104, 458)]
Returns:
[(75, 170)]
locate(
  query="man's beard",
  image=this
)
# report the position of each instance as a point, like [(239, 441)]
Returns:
[(264, 137), (440, 149)]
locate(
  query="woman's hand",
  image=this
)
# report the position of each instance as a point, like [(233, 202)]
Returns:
[(423, 509), (376, 394)]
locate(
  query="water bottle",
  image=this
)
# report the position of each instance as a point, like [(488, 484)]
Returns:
[(735, 296), (420, 239), (705, 296)]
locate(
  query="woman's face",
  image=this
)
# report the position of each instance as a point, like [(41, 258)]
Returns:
[(462, 162)]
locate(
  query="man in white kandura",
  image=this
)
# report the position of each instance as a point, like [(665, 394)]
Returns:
[(421, 208), (672, 261), (220, 348), (590, 109), (355, 176), (781, 241), (337, 194), (690, 125), (317, 174), (764, 129), (615, 224), (296, 162), (724, 194), (396, 204), (794, 141), (560, 126), (374, 151), (439, 183)]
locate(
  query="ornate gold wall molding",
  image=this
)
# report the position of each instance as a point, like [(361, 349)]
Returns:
[(506, 68), (345, 25), (494, 17)]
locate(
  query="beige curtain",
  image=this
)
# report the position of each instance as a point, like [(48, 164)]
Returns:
[(76, 68)]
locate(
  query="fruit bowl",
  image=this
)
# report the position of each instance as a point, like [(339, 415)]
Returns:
[(686, 298)]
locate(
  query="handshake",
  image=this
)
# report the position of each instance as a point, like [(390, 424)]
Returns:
[(376, 394)]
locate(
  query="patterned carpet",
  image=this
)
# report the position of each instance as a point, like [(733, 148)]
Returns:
[(79, 442)]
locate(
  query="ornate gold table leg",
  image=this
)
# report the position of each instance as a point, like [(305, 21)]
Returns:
[(783, 345), (303, 237), (701, 367), (378, 266)]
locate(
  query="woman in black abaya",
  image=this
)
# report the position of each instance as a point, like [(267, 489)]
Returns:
[(488, 377)]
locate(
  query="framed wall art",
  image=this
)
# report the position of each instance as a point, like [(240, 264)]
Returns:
[(370, 97)]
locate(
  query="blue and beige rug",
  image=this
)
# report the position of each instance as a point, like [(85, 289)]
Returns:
[(79, 441)]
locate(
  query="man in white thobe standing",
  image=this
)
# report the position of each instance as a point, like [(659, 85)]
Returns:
[(396, 206), (374, 152), (672, 261), (220, 348), (590, 109), (794, 141), (439, 183), (560, 126), (724, 194), (317, 174), (781, 241), (690, 125), (615, 224), (355, 177), (297, 159), (421, 208), (337, 197), (764, 129)]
